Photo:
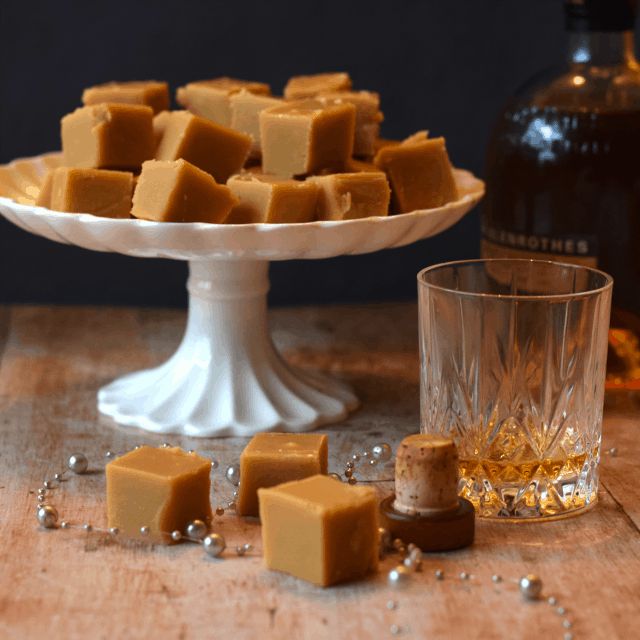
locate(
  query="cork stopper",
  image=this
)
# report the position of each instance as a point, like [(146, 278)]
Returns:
[(426, 475)]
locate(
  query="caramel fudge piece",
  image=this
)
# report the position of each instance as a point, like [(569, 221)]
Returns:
[(347, 196), (108, 136), (266, 198), (97, 191), (273, 458), (180, 192), (160, 122), (419, 172), (210, 98), (211, 147), (368, 118), (355, 166), (319, 529), (159, 488), (307, 136), (147, 92), (310, 86), (245, 111)]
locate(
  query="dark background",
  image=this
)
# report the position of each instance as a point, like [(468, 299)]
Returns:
[(441, 65)]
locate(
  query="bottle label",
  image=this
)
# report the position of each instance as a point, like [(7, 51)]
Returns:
[(575, 249)]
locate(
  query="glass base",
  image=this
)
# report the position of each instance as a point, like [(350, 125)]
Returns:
[(530, 491)]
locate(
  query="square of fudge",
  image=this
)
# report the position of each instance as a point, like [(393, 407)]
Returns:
[(218, 150), (210, 98), (347, 196), (273, 458), (97, 191), (368, 118), (177, 191), (419, 172), (267, 198), (245, 112), (159, 488), (320, 529), (307, 136), (147, 92), (108, 136), (299, 87)]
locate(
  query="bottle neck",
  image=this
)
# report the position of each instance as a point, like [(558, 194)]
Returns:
[(601, 48)]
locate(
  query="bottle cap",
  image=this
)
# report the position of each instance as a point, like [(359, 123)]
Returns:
[(600, 15)]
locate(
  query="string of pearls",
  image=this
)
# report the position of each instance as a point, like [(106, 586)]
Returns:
[(196, 531), (530, 586), (378, 453)]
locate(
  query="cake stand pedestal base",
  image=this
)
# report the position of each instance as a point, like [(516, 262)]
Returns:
[(226, 378)]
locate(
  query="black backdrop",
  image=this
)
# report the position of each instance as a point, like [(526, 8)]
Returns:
[(442, 65)]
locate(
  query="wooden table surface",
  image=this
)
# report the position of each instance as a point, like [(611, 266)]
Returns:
[(73, 584)]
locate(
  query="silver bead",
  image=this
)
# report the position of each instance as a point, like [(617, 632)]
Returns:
[(398, 575), (109, 455), (47, 516), (42, 491), (78, 463), (384, 538), (394, 629), (114, 531), (365, 454), (165, 445), (57, 476), (355, 457), (413, 562), (349, 465), (348, 473), (87, 527), (47, 484), (391, 605), (144, 530), (530, 586), (176, 535), (214, 464), (232, 474), (613, 452), (214, 544), (373, 462), (335, 476), (381, 452), (568, 636), (567, 624), (352, 480), (439, 573), (235, 494), (192, 451), (64, 524), (552, 601), (219, 511), (197, 529), (464, 575), (561, 611), (244, 548), (496, 578), (41, 498), (231, 504)]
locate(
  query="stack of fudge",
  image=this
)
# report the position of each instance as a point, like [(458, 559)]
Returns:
[(236, 154)]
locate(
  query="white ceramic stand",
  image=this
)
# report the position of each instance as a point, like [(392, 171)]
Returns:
[(226, 378)]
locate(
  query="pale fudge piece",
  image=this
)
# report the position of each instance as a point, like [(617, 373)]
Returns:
[(147, 92), (180, 192), (368, 118), (97, 191), (310, 86), (108, 136), (160, 122), (211, 98), (160, 488), (347, 196), (245, 112), (218, 150), (320, 529), (419, 172), (273, 458), (307, 136), (267, 198)]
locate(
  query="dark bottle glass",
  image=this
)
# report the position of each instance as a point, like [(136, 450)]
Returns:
[(563, 167)]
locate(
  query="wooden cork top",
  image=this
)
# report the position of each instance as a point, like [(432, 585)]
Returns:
[(426, 475)]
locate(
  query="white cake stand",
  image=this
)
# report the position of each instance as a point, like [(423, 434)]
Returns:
[(226, 378)]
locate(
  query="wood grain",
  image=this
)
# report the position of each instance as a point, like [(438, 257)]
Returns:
[(70, 584)]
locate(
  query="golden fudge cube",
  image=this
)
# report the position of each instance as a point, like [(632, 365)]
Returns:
[(266, 198), (218, 150), (310, 86), (419, 172), (180, 192), (147, 92), (159, 488), (160, 122), (108, 136), (97, 191), (273, 458), (245, 112), (320, 529), (347, 196), (368, 118), (307, 136), (210, 98)]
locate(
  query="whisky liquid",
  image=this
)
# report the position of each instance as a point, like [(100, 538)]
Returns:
[(564, 184), (547, 488)]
